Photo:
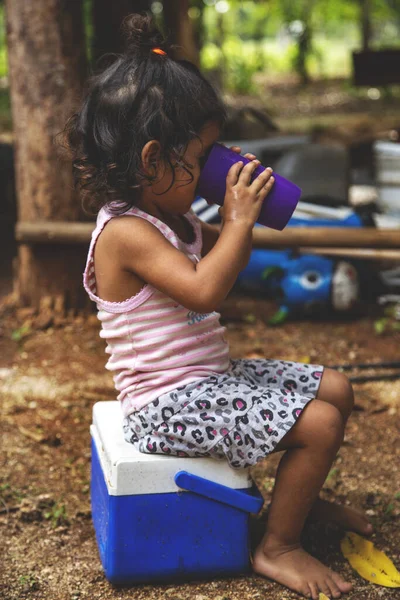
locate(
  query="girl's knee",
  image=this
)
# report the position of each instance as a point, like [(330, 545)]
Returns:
[(320, 426), (337, 390), (327, 426)]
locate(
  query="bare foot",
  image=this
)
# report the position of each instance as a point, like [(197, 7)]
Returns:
[(344, 516), (296, 569)]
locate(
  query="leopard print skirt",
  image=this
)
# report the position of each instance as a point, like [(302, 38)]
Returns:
[(239, 415)]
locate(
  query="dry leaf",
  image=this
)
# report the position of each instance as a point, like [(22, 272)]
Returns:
[(322, 596), (372, 564), (37, 437), (306, 360), (254, 354)]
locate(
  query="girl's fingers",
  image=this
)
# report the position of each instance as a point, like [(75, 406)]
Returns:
[(238, 150), (233, 173), (266, 188), (247, 171), (262, 180)]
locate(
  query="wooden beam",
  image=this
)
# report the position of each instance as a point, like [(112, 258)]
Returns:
[(357, 253), (326, 237), (50, 232), (42, 232)]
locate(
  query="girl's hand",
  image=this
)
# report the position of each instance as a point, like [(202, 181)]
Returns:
[(238, 150), (243, 198)]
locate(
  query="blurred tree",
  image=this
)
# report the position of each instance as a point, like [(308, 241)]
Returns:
[(196, 14), (107, 20), (298, 17), (179, 29), (47, 67), (394, 6), (365, 19)]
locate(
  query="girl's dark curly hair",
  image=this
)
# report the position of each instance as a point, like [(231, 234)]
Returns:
[(141, 96)]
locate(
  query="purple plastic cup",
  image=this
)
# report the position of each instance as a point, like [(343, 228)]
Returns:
[(277, 207)]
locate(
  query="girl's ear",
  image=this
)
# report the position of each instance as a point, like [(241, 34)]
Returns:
[(151, 158)]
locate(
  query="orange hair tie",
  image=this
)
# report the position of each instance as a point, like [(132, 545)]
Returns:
[(159, 51)]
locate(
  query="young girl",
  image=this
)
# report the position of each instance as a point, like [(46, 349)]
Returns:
[(158, 275)]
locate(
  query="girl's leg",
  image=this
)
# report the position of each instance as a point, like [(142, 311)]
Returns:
[(336, 389), (310, 447)]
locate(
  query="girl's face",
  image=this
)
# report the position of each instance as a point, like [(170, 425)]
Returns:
[(195, 158), (179, 198)]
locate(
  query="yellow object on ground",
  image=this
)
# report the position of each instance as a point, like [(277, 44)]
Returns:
[(372, 564)]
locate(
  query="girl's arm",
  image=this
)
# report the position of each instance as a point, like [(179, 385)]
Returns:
[(199, 287), (210, 235)]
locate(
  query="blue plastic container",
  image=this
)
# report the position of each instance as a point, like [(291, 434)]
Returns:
[(162, 518)]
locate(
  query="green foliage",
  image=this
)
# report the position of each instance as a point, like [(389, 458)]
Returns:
[(258, 37), (255, 20), (238, 62), (242, 66), (266, 31)]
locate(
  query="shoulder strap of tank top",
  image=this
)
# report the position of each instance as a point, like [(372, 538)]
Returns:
[(167, 232)]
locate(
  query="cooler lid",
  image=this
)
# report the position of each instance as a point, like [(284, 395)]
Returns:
[(128, 471)]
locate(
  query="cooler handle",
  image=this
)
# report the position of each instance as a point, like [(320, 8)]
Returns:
[(219, 492)]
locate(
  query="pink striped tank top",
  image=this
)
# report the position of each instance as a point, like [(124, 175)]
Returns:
[(155, 344)]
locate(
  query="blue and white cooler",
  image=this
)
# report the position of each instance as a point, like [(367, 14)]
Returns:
[(160, 518)]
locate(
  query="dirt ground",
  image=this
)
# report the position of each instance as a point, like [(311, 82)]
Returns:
[(52, 373), (51, 377)]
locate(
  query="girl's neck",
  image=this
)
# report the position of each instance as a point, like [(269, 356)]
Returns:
[(176, 222), (155, 211)]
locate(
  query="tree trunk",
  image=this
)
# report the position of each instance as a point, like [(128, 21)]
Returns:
[(304, 43), (303, 50), (179, 30), (199, 30), (366, 32), (107, 20), (47, 64)]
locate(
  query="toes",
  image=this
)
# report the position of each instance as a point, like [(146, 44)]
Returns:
[(323, 587), (344, 586), (314, 590), (335, 591), (306, 591)]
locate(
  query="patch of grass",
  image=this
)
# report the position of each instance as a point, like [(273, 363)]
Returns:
[(22, 332), (390, 508), (29, 582), (269, 484), (10, 494), (332, 474), (57, 515), (250, 318)]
